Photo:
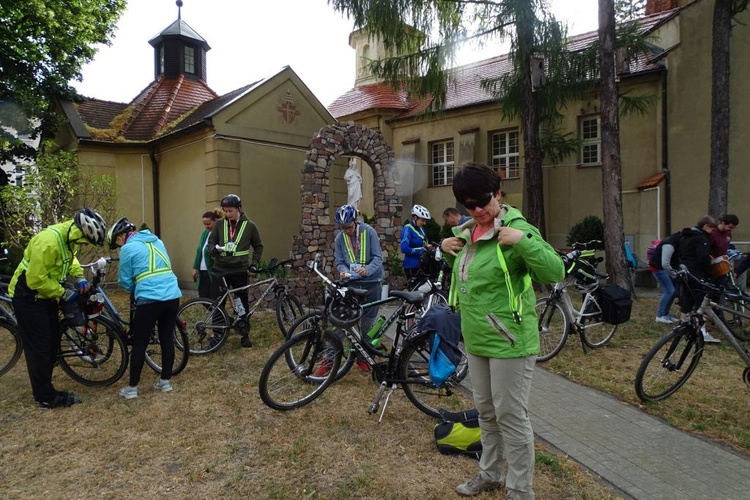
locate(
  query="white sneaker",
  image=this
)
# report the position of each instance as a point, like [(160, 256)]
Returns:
[(709, 339), (664, 319), (674, 320), (128, 392), (163, 385)]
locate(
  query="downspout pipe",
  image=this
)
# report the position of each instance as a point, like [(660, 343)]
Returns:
[(155, 182), (665, 156)]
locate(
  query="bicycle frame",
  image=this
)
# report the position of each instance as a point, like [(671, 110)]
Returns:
[(707, 309)]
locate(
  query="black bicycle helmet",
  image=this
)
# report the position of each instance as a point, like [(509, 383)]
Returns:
[(120, 227), (231, 200), (344, 311), (91, 225)]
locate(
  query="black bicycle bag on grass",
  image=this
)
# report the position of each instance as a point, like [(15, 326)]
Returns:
[(459, 433), (616, 304)]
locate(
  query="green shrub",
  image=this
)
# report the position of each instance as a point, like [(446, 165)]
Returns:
[(590, 228)]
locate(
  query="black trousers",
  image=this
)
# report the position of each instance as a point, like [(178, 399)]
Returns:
[(40, 333), (234, 280), (204, 284), (160, 314)]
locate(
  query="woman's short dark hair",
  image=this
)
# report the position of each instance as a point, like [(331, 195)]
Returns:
[(209, 215), (474, 181)]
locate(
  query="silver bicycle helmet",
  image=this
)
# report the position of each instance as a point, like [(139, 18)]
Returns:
[(92, 226)]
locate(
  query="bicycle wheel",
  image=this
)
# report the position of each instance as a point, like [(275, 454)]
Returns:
[(595, 332), (207, 325), (435, 297), (10, 346), (181, 353), (669, 363), (736, 323), (313, 370), (413, 370), (314, 320), (553, 328), (95, 355), (288, 311)]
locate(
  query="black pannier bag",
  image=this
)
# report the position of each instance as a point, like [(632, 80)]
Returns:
[(616, 304)]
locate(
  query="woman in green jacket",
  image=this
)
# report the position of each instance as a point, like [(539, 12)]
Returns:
[(495, 257), (203, 260)]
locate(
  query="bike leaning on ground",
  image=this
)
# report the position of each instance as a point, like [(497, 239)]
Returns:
[(308, 363), (208, 324), (559, 317), (673, 359)]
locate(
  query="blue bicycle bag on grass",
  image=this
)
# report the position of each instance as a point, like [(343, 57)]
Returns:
[(444, 352)]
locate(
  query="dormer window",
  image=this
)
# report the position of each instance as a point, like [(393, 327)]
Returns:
[(189, 60)]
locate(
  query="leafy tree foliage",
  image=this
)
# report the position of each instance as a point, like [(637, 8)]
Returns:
[(53, 190), (43, 45)]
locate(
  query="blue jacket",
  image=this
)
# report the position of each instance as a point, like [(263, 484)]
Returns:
[(413, 241), (145, 269), (373, 258)]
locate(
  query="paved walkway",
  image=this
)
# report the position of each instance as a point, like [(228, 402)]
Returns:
[(640, 455)]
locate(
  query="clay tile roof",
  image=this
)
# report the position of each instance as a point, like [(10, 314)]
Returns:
[(163, 102), (652, 181), (465, 90), (98, 114), (373, 96)]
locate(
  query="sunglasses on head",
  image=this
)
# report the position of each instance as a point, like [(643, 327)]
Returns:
[(481, 203)]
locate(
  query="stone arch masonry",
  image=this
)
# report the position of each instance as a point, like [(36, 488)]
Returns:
[(317, 226)]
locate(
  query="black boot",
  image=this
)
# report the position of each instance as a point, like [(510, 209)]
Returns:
[(245, 341)]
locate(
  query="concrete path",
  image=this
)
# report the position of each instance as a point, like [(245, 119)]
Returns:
[(640, 455)]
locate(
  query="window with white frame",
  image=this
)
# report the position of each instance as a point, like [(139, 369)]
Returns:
[(591, 141), (504, 157), (189, 60), (442, 163)]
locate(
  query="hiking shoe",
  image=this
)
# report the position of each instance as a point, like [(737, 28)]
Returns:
[(61, 400), (163, 385), (362, 364), (128, 392), (664, 319), (710, 339), (476, 485), (324, 368), (245, 341)]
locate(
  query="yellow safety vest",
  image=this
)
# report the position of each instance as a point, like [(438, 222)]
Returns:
[(153, 252)]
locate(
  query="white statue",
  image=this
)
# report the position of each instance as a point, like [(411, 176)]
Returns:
[(353, 184)]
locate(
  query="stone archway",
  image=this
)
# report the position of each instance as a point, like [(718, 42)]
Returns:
[(317, 226)]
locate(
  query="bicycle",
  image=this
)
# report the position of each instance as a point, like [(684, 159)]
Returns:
[(673, 359), (308, 363), (95, 353), (208, 324), (104, 311), (558, 317)]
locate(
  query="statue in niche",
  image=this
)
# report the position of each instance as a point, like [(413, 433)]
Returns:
[(353, 184)]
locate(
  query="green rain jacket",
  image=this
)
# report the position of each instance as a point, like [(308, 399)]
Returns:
[(49, 258), (479, 286)]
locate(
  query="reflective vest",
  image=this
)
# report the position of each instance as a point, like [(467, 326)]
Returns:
[(154, 252), (65, 253), (362, 248), (237, 239)]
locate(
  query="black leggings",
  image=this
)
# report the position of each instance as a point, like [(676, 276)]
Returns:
[(145, 318)]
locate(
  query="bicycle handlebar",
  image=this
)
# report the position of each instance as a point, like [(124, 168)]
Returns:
[(271, 268), (734, 296), (589, 245)]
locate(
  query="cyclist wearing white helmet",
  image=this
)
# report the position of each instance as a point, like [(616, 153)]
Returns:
[(357, 255), (230, 241), (48, 260), (414, 239)]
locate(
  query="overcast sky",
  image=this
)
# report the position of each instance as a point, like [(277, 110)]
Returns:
[(251, 40)]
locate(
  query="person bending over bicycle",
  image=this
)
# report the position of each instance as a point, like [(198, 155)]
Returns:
[(230, 241), (48, 260), (146, 273), (357, 256)]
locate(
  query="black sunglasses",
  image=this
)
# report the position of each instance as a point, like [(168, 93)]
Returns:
[(473, 205)]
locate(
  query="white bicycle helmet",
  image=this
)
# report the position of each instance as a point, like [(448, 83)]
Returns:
[(420, 212), (91, 225)]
